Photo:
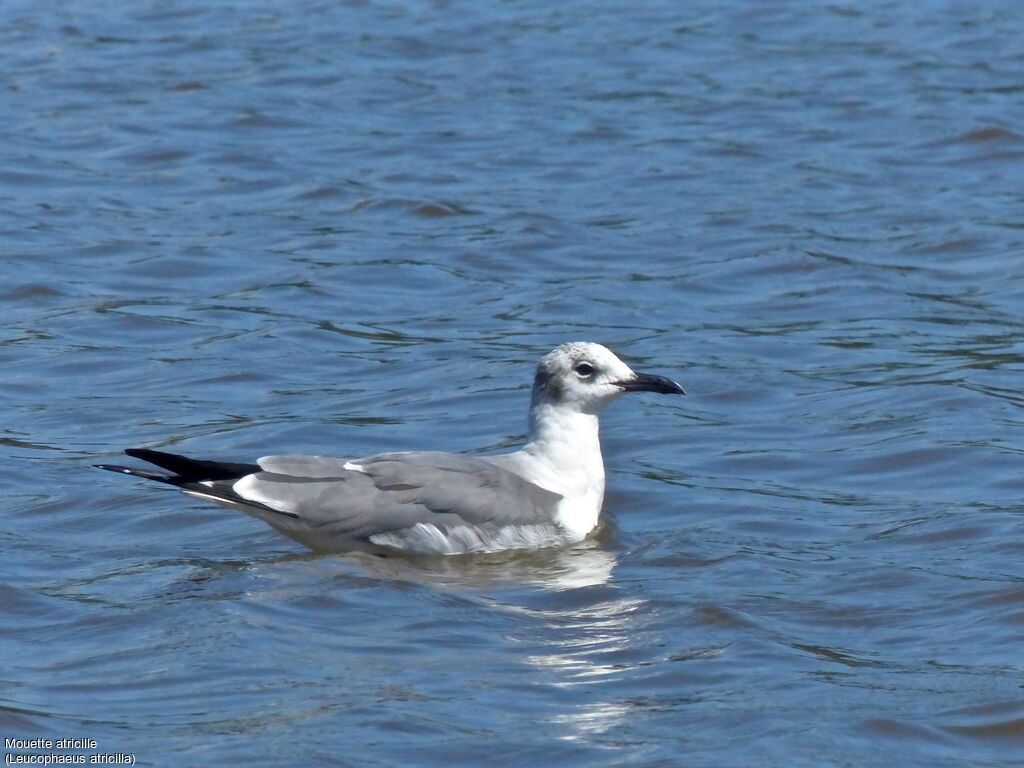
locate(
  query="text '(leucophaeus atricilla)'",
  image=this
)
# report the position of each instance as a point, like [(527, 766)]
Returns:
[(548, 493)]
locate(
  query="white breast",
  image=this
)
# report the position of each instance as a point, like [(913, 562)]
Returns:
[(578, 514)]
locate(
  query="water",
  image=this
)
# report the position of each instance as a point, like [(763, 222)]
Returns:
[(344, 228)]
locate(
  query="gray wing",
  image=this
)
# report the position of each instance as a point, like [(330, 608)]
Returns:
[(335, 499)]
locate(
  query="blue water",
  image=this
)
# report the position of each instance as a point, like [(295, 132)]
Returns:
[(231, 230)]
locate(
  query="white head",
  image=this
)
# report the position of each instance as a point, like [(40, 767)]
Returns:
[(585, 377)]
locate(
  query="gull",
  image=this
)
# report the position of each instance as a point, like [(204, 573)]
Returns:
[(546, 494)]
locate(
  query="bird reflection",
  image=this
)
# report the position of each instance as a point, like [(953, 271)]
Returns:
[(563, 620), (585, 565)]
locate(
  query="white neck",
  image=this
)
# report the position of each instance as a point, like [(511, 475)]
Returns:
[(566, 443), (563, 455)]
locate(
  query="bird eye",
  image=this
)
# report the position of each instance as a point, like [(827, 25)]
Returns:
[(584, 369)]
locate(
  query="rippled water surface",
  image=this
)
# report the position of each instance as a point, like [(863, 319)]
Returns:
[(234, 229)]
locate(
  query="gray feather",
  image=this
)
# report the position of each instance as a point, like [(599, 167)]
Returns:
[(396, 491)]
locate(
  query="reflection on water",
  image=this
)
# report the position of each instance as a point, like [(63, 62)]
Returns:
[(580, 629), (589, 646), (579, 632), (594, 718), (584, 565)]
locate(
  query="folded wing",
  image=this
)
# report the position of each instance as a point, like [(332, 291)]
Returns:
[(419, 501)]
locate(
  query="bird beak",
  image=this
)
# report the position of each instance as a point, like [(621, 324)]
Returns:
[(646, 382)]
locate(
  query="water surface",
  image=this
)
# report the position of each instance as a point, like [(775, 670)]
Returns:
[(347, 228)]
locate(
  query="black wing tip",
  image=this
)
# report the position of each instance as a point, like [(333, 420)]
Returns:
[(148, 454), (187, 470)]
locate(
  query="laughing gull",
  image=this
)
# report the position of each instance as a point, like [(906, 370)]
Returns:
[(548, 493)]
